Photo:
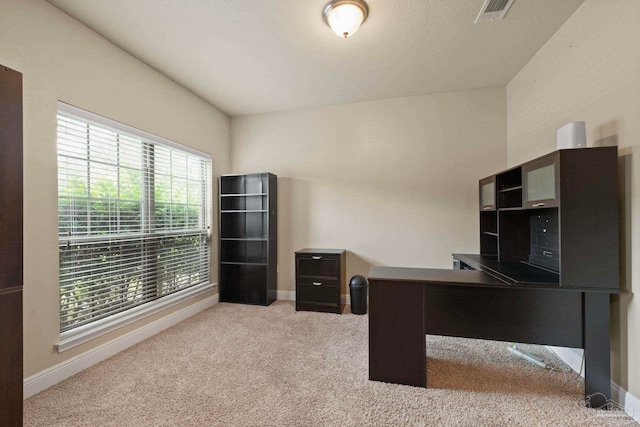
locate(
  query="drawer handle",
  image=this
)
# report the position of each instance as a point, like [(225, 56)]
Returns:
[(486, 208), (316, 257), (537, 205), (317, 283)]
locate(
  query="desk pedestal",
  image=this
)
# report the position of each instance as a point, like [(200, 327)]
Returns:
[(397, 343)]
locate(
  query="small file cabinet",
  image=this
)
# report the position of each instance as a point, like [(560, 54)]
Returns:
[(320, 278)]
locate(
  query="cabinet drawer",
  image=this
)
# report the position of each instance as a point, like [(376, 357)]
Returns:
[(319, 266), (545, 257), (318, 281), (319, 294)]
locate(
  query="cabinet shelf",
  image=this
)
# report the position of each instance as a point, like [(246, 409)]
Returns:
[(242, 263), (509, 179), (510, 198), (243, 239), (244, 211), (489, 232), (505, 190), (243, 195)]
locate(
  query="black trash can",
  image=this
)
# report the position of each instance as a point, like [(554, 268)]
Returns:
[(358, 289)]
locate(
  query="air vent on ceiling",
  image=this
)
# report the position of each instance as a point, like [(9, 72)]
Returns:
[(493, 10)]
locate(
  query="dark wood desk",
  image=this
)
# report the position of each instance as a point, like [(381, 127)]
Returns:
[(405, 304)]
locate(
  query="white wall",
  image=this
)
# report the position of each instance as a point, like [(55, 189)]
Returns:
[(395, 182), (590, 70), (63, 60)]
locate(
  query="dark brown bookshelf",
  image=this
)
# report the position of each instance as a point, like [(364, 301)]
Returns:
[(11, 277), (248, 238)]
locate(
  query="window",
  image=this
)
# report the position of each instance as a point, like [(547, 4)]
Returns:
[(134, 215)]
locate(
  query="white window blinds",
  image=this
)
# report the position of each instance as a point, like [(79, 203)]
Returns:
[(134, 212)]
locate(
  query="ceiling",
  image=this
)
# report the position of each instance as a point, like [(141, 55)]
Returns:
[(261, 56)]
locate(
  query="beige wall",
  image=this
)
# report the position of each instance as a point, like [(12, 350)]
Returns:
[(395, 182), (63, 60), (590, 70)]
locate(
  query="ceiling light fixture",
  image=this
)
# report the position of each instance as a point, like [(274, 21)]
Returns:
[(345, 16)]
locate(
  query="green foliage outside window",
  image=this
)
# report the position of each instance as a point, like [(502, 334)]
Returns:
[(128, 234)]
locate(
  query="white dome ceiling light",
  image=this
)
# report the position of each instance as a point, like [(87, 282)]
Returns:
[(345, 16)]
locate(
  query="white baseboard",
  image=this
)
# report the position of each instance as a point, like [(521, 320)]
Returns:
[(621, 397), (51, 376), (626, 400), (287, 295)]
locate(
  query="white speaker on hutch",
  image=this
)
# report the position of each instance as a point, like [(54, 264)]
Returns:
[(571, 135)]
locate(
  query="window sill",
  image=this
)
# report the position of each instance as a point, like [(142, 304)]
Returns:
[(83, 334)]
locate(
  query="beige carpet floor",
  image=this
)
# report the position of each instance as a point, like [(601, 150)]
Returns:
[(237, 365)]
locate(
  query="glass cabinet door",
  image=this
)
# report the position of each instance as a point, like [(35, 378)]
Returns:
[(541, 183), (488, 194)]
